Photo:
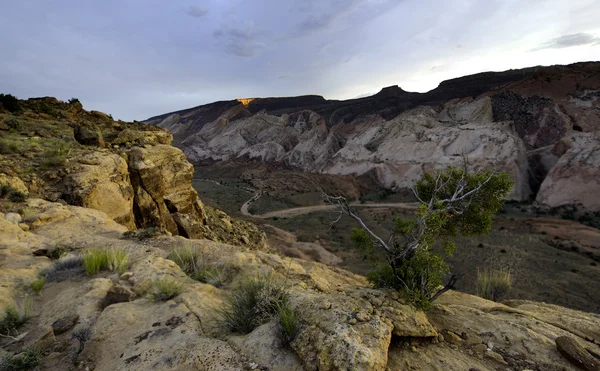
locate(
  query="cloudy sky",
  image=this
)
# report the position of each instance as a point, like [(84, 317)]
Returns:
[(139, 58)]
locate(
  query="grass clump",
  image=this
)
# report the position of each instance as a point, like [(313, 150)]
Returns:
[(288, 322), (29, 359), (12, 194), (493, 284), (187, 258), (96, 260), (12, 318), (167, 288), (191, 261), (253, 303), (37, 284)]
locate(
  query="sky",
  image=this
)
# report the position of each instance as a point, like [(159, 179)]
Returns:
[(138, 58)]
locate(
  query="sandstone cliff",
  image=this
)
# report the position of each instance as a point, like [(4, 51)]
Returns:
[(60, 152), (504, 120)]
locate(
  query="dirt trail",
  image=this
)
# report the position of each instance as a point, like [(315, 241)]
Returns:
[(295, 211)]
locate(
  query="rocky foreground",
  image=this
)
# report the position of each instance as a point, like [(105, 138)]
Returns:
[(541, 125), (345, 324)]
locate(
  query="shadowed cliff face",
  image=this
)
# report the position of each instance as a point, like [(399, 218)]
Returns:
[(496, 119)]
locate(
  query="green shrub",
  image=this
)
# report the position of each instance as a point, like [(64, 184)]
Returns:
[(29, 359), (38, 284), (57, 252), (12, 319), (5, 189), (96, 260), (10, 102), (167, 288), (288, 322), (493, 284), (17, 196), (253, 303)]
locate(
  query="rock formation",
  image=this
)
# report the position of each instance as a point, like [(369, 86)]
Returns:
[(507, 120), (110, 321)]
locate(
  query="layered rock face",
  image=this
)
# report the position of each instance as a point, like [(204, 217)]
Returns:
[(508, 121)]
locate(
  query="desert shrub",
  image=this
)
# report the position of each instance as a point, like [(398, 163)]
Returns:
[(5, 189), (453, 202), (253, 303), (288, 322), (57, 252), (10, 102), (167, 288), (13, 318), (96, 260), (74, 101), (37, 284), (64, 269), (493, 284), (29, 359), (17, 196)]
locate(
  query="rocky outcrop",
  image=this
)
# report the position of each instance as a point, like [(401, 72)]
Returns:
[(163, 196), (345, 325), (575, 179)]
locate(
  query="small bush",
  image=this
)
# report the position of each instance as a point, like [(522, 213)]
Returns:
[(493, 284), (11, 321), (38, 284), (5, 189), (57, 252), (64, 269), (253, 303), (288, 322), (168, 288), (17, 196), (29, 359), (143, 234), (8, 146), (10, 102)]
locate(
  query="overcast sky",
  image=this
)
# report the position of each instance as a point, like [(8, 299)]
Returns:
[(139, 58)]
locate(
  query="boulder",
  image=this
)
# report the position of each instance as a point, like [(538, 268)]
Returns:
[(64, 324), (161, 178), (88, 134), (100, 180)]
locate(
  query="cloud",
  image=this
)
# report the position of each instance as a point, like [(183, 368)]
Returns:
[(196, 11), (239, 42), (567, 41)]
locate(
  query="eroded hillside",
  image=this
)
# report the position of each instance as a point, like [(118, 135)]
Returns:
[(538, 124)]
